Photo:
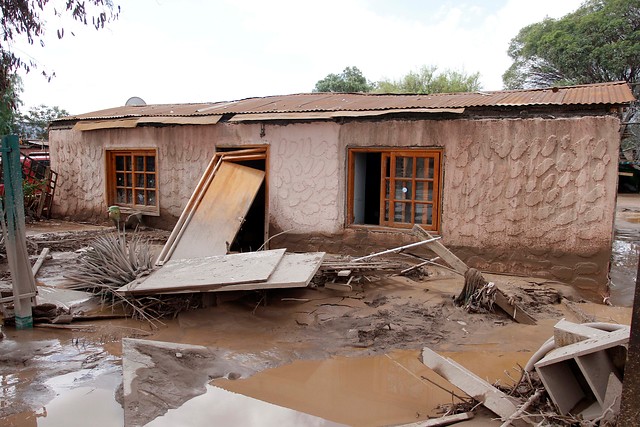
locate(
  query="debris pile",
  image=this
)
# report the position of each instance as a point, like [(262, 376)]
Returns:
[(577, 379)]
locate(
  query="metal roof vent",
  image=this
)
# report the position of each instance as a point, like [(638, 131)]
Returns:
[(135, 101)]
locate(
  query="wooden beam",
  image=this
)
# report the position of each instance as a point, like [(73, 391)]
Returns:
[(40, 261), (512, 309), (456, 263), (471, 384)]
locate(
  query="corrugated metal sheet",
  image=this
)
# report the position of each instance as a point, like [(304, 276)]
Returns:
[(310, 115), (105, 124), (615, 93), (182, 120)]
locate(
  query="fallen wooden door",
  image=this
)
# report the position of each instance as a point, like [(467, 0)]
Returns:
[(221, 211)]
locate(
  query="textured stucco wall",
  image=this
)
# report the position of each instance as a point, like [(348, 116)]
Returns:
[(532, 196), (304, 176)]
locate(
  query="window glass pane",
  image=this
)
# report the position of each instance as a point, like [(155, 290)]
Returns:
[(128, 183), (418, 216), (387, 167), (404, 167), (120, 196), (127, 161), (120, 179), (402, 212), (420, 193), (431, 168), (140, 180), (424, 214), (386, 211), (430, 191), (151, 164), (420, 167), (139, 163), (151, 198), (403, 190), (119, 163), (129, 196), (151, 180), (386, 188), (139, 197)]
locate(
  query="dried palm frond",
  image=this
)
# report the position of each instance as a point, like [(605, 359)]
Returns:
[(115, 260)]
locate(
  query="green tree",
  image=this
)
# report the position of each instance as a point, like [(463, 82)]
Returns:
[(9, 105), (350, 80), (599, 42), (35, 124), (22, 20), (427, 80)]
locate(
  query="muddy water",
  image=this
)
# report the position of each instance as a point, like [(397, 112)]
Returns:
[(224, 408), (378, 390), (624, 267)]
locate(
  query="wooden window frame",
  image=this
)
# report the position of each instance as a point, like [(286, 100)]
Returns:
[(112, 184), (392, 153)]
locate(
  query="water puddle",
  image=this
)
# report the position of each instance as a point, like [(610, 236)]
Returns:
[(378, 390), (224, 408), (624, 268)]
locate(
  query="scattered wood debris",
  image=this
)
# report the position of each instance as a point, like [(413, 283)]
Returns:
[(477, 291)]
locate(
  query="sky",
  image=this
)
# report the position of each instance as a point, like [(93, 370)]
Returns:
[(187, 51)]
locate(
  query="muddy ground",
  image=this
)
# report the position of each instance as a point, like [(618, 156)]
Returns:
[(346, 357)]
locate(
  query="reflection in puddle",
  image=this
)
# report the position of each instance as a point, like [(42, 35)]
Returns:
[(83, 406), (224, 408), (624, 268)]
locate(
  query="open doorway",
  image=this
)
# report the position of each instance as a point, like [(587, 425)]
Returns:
[(254, 231)]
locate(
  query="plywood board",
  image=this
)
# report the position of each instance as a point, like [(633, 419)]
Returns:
[(474, 386), (208, 272), (221, 211), (294, 271)]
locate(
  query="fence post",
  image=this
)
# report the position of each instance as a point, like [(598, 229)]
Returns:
[(24, 285)]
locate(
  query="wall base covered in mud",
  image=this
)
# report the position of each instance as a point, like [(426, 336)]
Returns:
[(588, 273)]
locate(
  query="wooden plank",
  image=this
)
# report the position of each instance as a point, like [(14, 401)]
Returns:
[(205, 273), (615, 338), (195, 198), (474, 386), (566, 333), (456, 263), (294, 271), (446, 420), (221, 212), (512, 309), (40, 261)]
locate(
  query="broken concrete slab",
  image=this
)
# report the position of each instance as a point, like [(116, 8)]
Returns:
[(207, 273)]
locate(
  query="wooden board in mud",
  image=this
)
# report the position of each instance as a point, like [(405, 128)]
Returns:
[(208, 272)]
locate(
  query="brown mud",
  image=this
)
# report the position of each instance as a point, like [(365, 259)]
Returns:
[(345, 358)]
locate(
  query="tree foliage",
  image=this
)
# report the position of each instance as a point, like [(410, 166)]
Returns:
[(350, 80), (9, 105), (599, 42), (427, 80), (35, 124), (23, 20)]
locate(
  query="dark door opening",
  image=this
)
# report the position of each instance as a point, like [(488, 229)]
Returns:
[(366, 197)]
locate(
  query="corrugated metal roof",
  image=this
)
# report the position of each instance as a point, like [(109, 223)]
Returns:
[(614, 93)]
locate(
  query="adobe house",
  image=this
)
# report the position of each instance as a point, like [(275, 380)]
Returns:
[(514, 181)]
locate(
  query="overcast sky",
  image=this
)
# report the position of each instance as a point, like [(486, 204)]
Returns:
[(182, 51)]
